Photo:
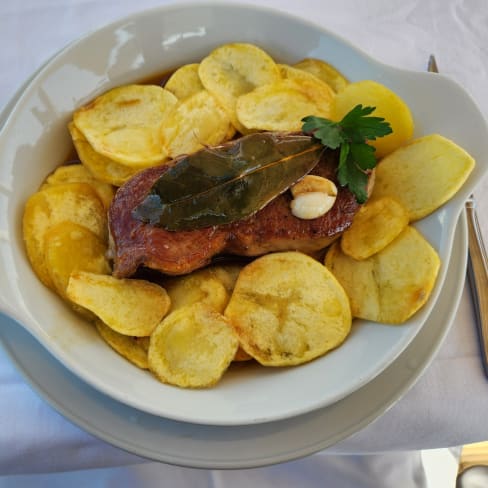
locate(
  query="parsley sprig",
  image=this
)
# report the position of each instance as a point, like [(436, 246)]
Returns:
[(356, 157)]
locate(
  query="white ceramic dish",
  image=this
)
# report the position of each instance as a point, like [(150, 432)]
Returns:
[(224, 447), (34, 140)]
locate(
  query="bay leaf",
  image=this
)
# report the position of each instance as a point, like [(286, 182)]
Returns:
[(220, 185)]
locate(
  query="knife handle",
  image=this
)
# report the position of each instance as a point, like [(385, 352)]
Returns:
[(478, 279)]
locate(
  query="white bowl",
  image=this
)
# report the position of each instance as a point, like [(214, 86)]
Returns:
[(34, 140)]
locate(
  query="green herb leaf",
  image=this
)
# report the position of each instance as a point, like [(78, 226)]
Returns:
[(351, 134), (357, 125), (355, 178), (328, 132), (363, 155), (220, 185)]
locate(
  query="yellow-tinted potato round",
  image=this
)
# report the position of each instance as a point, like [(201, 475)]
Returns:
[(124, 124), (68, 202), (278, 106), (234, 69), (375, 225), (78, 173), (192, 347), (424, 174), (103, 169), (196, 122), (324, 71), (241, 356), (314, 88), (357, 279), (128, 306), (227, 274), (288, 309), (185, 81), (70, 247), (393, 284), (205, 287), (129, 347), (198, 287), (388, 105)]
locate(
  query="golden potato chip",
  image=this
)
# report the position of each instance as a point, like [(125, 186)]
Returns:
[(103, 169), (357, 279), (278, 106), (78, 173), (311, 86), (287, 309), (143, 342), (388, 105), (391, 285), (128, 306), (68, 202), (131, 348), (424, 174), (227, 274), (323, 71), (185, 81), (234, 69), (211, 286), (196, 122), (124, 124), (242, 355), (70, 247), (375, 225), (192, 347), (201, 286)]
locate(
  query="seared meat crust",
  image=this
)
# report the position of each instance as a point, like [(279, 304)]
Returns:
[(273, 228)]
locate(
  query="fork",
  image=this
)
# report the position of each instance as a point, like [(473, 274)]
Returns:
[(477, 265)]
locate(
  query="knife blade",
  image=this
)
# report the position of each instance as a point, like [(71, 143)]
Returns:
[(477, 265)]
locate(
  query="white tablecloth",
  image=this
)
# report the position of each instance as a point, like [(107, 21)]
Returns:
[(447, 406)]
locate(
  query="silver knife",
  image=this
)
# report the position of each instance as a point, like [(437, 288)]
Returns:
[(477, 265)]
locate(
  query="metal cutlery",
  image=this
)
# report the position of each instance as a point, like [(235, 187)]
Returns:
[(477, 265)]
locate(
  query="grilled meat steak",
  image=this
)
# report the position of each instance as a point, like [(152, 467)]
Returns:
[(273, 228)]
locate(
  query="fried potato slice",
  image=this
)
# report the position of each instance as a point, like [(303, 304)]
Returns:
[(388, 105), (323, 71), (234, 69), (192, 347), (70, 247), (185, 81), (392, 285), (277, 106), (130, 347), (128, 306), (424, 174), (194, 123), (357, 279), (78, 173), (103, 169), (241, 356), (124, 124), (68, 202), (317, 90), (375, 225), (287, 309), (201, 286), (227, 274)]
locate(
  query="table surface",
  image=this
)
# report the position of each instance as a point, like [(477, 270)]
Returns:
[(446, 406)]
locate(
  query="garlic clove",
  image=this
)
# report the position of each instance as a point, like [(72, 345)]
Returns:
[(311, 205), (314, 183)]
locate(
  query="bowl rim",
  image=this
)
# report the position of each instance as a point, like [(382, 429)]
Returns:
[(178, 7)]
